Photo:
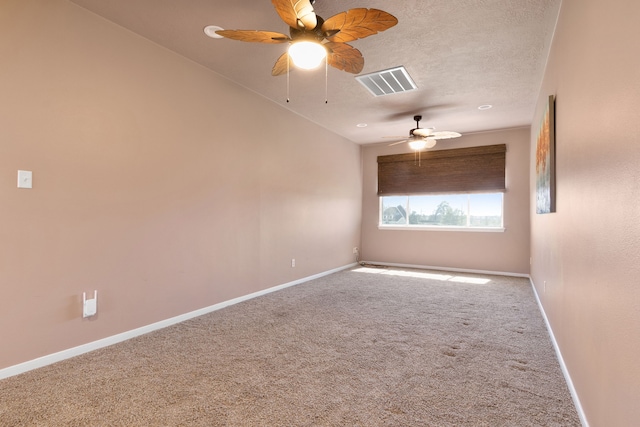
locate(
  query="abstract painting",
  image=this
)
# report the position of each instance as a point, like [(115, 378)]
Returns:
[(545, 161)]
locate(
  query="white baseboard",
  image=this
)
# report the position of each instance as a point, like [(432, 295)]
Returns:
[(114, 339), (456, 270), (563, 366)]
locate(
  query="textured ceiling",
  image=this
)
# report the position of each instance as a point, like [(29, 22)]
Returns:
[(461, 54)]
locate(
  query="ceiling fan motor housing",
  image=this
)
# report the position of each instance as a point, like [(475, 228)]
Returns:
[(417, 119), (315, 34)]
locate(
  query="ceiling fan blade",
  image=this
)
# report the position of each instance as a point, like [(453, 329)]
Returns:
[(282, 65), (297, 14), (444, 135), (254, 36), (356, 24), (344, 57), (405, 109), (398, 142), (431, 142)]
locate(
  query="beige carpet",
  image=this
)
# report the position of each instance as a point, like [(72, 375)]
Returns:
[(363, 347)]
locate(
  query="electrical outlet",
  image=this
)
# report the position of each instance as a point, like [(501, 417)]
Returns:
[(89, 306), (293, 262), (355, 250)]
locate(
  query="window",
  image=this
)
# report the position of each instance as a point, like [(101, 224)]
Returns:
[(458, 211), (460, 188)]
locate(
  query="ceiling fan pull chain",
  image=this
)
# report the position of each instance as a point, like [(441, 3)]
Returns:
[(288, 59), (417, 158), (326, 80)]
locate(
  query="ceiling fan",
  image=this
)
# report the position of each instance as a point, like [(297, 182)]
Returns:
[(420, 138), (330, 35)]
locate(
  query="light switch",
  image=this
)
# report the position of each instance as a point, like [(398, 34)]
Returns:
[(25, 179)]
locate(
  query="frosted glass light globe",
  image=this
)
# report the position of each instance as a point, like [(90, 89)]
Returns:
[(418, 144), (422, 143), (307, 55)]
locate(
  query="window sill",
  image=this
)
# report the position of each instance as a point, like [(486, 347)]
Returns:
[(428, 228)]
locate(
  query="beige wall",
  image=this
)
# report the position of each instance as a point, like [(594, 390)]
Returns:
[(506, 251), (588, 252), (156, 182)]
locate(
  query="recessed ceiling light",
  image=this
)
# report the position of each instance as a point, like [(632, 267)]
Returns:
[(362, 125), (211, 31), (485, 107)]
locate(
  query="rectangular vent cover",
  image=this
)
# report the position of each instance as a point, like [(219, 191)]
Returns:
[(387, 82)]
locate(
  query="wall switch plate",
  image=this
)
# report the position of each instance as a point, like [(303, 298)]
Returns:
[(89, 306), (25, 179), (293, 262), (355, 250)]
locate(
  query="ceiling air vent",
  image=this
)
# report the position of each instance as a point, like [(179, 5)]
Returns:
[(387, 82)]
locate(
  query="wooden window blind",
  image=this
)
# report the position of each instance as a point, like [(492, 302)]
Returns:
[(474, 169)]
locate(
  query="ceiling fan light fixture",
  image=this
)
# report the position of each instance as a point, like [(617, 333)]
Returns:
[(418, 144), (307, 55)]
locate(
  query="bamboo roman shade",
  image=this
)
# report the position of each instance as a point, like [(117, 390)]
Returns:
[(474, 169)]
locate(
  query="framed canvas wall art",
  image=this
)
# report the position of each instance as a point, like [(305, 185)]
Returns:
[(545, 161)]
